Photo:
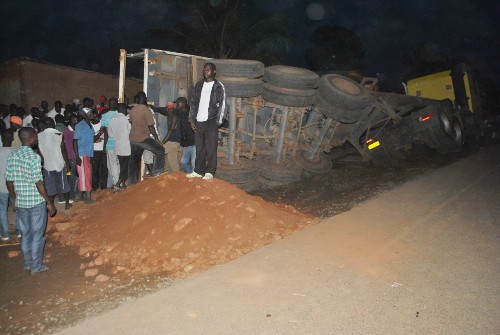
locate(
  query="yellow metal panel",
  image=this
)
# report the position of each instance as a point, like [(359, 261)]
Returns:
[(467, 91), (437, 86)]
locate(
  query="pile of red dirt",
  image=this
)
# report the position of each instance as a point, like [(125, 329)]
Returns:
[(173, 224)]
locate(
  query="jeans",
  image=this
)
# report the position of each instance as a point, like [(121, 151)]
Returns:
[(188, 158), (137, 148), (4, 220), (32, 222)]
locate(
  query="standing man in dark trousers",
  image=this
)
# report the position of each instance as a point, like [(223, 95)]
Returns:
[(206, 115), (25, 184)]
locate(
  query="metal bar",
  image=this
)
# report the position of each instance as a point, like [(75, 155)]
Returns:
[(121, 80), (313, 152), (281, 138), (136, 55), (232, 130), (146, 71), (178, 54)]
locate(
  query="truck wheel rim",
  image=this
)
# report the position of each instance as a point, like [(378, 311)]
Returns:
[(445, 121)]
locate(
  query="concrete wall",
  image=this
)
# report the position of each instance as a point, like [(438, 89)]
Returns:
[(10, 83), (38, 81)]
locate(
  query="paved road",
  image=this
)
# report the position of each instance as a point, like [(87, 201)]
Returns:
[(423, 258)]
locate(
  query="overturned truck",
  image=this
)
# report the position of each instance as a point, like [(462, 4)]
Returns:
[(283, 121)]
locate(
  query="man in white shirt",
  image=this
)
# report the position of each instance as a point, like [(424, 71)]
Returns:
[(58, 109), (119, 130), (206, 114), (55, 161)]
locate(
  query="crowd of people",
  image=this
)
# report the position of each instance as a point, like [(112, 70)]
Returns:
[(68, 152)]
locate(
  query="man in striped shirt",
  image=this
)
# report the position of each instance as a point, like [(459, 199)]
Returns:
[(25, 184)]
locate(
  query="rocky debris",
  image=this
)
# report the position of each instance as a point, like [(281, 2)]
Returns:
[(91, 272), (174, 224), (101, 278)]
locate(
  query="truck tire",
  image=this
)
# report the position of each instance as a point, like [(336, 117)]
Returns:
[(335, 113), (287, 96), (453, 143), (343, 92), (245, 172), (290, 77), (241, 87), (287, 171), (240, 68), (392, 148), (321, 164)]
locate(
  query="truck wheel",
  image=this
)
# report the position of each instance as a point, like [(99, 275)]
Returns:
[(453, 143), (287, 96), (241, 68), (342, 92), (245, 172), (287, 171), (290, 77), (335, 113), (241, 87), (321, 164)]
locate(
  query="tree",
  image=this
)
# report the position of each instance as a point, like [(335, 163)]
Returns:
[(226, 29), (335, 49), (425, 59)]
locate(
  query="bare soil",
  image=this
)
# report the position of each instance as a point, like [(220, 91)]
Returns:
[(141, 239)]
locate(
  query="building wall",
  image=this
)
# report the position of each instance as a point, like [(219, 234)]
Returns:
[(10, 83), (40, 81)]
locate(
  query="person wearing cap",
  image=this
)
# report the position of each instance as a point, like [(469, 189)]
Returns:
[(171, 140), (207, 112), (83, 146), (102, 105), (15, 124), (187, 136), (76, 104)]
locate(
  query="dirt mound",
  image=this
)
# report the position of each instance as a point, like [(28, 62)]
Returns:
[(173, 224)]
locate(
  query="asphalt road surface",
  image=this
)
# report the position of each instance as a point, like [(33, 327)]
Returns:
[(423, 258)]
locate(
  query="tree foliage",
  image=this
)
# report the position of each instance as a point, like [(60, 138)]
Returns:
[(228, 29), (425, 59), (335, 49)]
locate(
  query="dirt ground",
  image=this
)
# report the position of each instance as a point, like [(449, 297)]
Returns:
[(64, 295)]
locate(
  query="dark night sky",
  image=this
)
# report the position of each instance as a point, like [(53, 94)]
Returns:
[(76, 32)]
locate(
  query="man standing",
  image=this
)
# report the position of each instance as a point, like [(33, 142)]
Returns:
[(172, 138), (15, 124), (99, 165), (68, 135), (109, 143), (142, 126), (25, 185), (206, 114), (55, 161), (5, 150), (83, 146), (57, 110), (119, 129), (187, 136)]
